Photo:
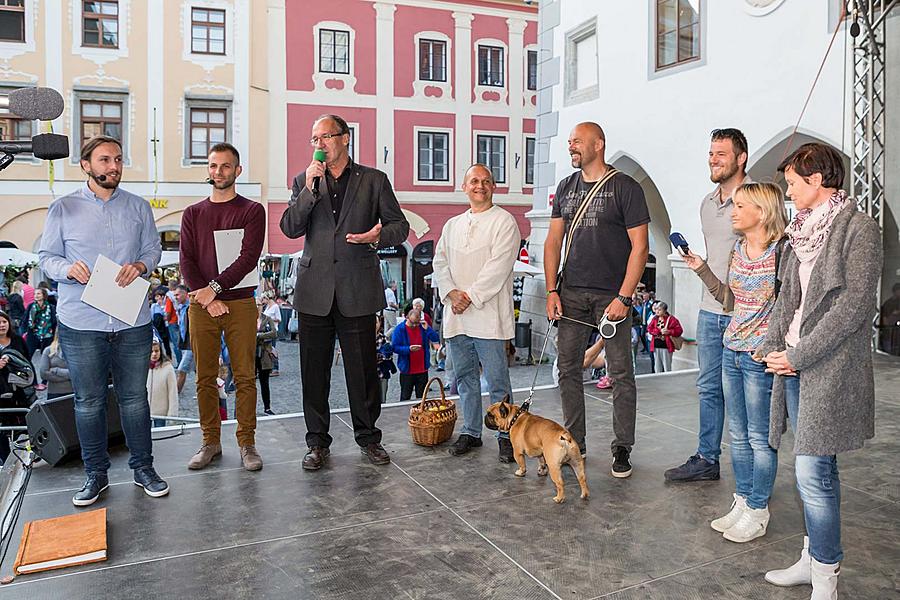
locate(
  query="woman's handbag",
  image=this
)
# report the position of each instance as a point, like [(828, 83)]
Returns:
[(294, 323), (677, 340)]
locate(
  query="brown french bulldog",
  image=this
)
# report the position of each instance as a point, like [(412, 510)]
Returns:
[(538, 437)]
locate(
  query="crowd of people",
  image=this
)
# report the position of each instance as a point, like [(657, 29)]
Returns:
[(783, 333)]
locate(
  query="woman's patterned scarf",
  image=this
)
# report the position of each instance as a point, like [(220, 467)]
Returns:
[(809, 229)]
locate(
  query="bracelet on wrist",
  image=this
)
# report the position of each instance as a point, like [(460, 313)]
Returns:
[(553, 291)]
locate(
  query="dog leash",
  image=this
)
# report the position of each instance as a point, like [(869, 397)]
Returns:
[(527, 404)]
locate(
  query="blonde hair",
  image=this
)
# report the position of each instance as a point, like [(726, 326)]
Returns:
[(17, 287), (769, 199)]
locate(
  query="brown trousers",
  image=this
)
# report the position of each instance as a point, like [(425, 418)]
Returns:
[(239, 327)]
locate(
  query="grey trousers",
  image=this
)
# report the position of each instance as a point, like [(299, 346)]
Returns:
[(571, 343)]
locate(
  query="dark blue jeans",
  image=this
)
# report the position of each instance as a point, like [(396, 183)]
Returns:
[(92, 356), (710, 329)]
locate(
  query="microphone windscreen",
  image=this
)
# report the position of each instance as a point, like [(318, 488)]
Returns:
[(43, 104), (319, 155), (50, 146)]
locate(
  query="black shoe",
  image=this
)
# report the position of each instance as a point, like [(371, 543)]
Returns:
[(621, 467), (90, 491), (696, 468), (269, 412), (463, 444), (506, 450), (153, 484), (376, 453), (315, 458)]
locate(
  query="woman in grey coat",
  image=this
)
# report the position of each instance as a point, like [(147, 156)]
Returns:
[(818, 345), (55, 371)]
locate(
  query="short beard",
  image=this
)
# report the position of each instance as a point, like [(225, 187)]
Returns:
[(108, 184), (224, 185), (577, 159), (728, 174)]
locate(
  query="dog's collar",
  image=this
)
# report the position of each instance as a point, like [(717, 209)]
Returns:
[(519, 411)]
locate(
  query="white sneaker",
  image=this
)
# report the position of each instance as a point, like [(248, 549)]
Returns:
[(824, 580), (796, 574), (738, 506), (751, 525)]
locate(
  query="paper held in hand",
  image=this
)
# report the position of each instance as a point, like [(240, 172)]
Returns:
[(228, 249), (103, 293)]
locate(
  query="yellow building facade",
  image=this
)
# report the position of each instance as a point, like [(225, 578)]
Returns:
[(166, 77)]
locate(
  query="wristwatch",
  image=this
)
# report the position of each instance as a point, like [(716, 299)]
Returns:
[(624, 300), (215, 286)]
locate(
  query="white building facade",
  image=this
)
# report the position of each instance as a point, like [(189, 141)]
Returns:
[(659, 75)]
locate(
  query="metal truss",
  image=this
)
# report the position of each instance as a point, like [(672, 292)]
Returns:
[(868, 164)]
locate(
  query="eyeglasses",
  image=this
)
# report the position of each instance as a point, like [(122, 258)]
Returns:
[(325, 136)]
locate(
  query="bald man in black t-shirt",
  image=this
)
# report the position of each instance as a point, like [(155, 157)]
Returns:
[(606, 259)]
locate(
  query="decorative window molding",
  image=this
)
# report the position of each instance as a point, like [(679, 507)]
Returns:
[(485, 150), (582, 75), (207, 61), (92, 98), (22, 18), (194, 106), (97, 54), (692, 59), (491, 94), (434, 89), (334, 82), (448, 155), (208, 30)]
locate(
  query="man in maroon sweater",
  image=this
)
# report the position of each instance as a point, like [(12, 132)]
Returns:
[(218, 307)]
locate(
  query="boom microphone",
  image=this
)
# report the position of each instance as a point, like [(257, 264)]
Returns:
[(320, 156), (34, 103), (98, 178), (46, 146)]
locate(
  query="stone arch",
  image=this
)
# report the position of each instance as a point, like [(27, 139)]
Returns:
[(660, 224)]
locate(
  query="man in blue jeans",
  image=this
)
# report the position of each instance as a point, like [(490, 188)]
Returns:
[(101, 218), (473, 268), (727, 164)]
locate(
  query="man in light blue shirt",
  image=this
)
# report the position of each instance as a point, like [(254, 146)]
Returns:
[(102, 218)]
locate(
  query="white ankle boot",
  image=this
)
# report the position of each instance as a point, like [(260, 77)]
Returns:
[(824, 580), (796, 574), (751, 525), (738, 506)]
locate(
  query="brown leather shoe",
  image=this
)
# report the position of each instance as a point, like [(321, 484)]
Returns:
[(376, 453), (204, 456), (251, 458), (315, 458)]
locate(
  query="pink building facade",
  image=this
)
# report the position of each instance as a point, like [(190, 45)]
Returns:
[(428, 87)]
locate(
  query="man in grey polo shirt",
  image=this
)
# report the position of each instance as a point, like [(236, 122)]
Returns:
[(727, 164)]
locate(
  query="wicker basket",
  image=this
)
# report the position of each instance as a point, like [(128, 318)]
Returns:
[(432, 421)]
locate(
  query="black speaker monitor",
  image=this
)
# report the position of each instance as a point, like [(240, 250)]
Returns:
[(51, 428)]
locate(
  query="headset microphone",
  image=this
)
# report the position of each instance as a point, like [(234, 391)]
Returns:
[(320, 156), (210, 181), (98, 178)]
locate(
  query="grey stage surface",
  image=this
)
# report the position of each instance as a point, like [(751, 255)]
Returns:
[(431, 526)]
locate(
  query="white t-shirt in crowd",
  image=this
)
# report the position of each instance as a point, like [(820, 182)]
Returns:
[(273, 311)]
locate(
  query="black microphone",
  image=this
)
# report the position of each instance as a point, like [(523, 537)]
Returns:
[(318, 155), (210, 181), (34, 103), (46, 146), (98, 178)]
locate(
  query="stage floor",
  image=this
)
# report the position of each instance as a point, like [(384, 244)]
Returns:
[(431, 526)]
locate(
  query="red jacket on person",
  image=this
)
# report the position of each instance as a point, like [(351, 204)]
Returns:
[(671, 324)]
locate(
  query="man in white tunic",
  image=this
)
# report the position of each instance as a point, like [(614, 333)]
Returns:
[(473, 267)]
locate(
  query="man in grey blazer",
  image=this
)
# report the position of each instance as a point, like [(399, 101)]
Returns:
[(346, 211)]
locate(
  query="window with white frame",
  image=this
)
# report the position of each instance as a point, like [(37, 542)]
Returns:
[(334, 51), (529, 161), (432, 60), (491, 152), (677, 32), (207, 122), (351, 147), (490, 66), (100, 23), (582, 70), (532, 79), (207, 31), (433, 156), (12, 21)]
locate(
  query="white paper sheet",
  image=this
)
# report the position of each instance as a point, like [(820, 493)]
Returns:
[(103, 293), (228, 249)]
